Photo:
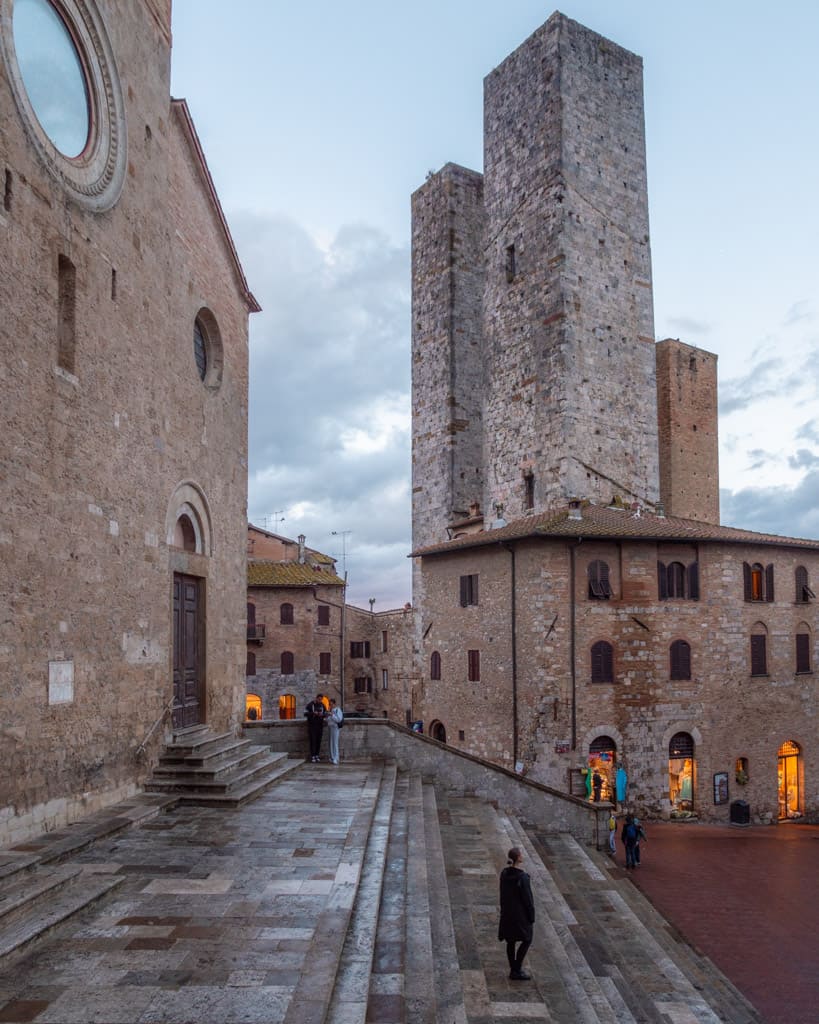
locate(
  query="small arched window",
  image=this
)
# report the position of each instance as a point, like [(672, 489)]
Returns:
[(599, 586), (759, 650), (803, 663), (435, 665), (287, 668), (286, 614), (681, 745), (287, 706), (803, 591), (602, 662), (184, 534), (680, 658), (758, 581), (251, 663)]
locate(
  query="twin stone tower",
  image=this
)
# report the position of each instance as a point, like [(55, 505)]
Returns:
[(536, 376)]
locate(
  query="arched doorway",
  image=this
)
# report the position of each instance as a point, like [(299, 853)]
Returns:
[(602, 759), (438, 732), (790, 803), (253, 708), (681, 772)]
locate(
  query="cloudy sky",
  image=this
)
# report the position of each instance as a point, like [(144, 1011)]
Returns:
[(319, 119)]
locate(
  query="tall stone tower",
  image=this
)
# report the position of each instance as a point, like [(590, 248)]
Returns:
[(533, 347)]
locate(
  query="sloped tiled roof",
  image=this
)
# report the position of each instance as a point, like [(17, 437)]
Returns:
[(263, 573), (597, 522)]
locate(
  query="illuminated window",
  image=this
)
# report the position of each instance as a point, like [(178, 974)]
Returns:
[(287, 706), (253, 707), (758, 582)]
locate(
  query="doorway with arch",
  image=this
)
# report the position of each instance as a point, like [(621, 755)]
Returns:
[(789, 766)]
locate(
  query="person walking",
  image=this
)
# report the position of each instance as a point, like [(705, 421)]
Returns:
[(641, 834), (612, 833), (517, 914), (315, 714), (335, 720), (629, 837), (597, 785)]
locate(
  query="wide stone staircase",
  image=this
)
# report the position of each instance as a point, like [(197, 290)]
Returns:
[(349, 895)]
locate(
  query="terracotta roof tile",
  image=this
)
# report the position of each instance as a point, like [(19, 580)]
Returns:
[(597, 522), (263, 573)]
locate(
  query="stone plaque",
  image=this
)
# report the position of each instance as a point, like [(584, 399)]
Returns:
[(60, 682)]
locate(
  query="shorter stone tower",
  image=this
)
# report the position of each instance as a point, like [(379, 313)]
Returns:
[(687, 415)]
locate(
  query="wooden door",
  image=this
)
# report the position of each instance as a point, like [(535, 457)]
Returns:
[(188, 645)]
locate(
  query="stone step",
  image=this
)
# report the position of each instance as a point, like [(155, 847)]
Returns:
[(348, 1004), (419, 989), (213, 772), (17, 894), (201, 744), (239, 793), (51, 907)]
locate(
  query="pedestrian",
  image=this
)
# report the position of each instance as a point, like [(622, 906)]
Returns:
[(517, 914), (629, 838), (612, 833), (597, 785), (641, 835), (334, 722), (315, 714)]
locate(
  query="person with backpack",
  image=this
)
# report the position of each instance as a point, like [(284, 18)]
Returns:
[(517, 914), (629, 836)]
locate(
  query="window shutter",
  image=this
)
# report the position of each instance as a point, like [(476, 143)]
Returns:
[(602, 662), (694, 581), (662, 581), (680, 660), (769, 583), (759, 661), (604, 579), (746, 578), (474, 588), (435, 665), (463, 591), (803, 652)]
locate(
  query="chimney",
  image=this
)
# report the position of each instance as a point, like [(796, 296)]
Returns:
[(301, 539), (574, 509)]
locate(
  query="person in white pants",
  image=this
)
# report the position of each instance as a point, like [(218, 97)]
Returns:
[(334, 720)]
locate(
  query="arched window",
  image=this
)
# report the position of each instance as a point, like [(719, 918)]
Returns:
[(681, 745), (287, 663), (803, 591), (602, 745), (758, 581), (803, 645), (287, 706), (286, 614), (790, 799), (253, 707), (759, 650), (599, 586), (681, 773), (437, 731), (676, 580), (251, 663), (435, 665), (184, 534), (680, 658), (602, 662)]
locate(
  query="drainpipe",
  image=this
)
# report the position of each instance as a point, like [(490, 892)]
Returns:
[(513, 621), (572, 638)]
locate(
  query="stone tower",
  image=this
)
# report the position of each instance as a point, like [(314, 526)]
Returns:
[(689, 442), (533, 347)]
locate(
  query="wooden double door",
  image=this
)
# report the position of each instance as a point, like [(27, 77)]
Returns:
[(188, 651)]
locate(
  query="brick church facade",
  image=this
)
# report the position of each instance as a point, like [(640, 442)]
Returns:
[(578, 606), (124, 419)]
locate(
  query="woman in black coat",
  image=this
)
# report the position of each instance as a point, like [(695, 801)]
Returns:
[(517, 914)]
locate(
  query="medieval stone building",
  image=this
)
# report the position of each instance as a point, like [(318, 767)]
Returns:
[(124, 420), (578, 605)]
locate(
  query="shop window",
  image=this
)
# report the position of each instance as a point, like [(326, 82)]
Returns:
[(680, 657), (676, 580), (803, 652), (599, 586), (286, 662), (759, 654), (681, 773), (803, 592), (253, 708), (741, 771), (469, 590), (788, 771), (250, 668), (286, 614), (758, 582), (473, 664), (287, 706), (435, 665), (324, 614), (602, 762), (359, 648), (602, 662), (325, 663)]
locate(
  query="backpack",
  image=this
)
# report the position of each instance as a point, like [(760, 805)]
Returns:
[(340, 721), (631, 833)]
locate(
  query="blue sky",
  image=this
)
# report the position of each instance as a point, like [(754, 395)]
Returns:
[(319, 120)]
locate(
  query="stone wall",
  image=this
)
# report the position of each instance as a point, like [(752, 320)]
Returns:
[(390, 636)]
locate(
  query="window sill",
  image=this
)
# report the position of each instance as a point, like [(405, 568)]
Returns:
[(760, 675)]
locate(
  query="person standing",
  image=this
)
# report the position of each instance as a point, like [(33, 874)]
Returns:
[(315, 714), (612, 834), (641, 834), (517, 914), (629, 838), (334, 722), (597, 785)]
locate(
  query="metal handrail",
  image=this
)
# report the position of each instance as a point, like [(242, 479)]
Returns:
[(140, 750)]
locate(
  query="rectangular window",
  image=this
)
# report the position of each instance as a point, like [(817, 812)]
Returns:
[(469, 590), (385, 680), (325, 663), (803, 652), (324, 614), (359, 648), (66, 313), (360, 684), (759, 656), (384, 641), (473, 660)]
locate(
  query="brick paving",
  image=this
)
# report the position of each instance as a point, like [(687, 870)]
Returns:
[(749, 899)]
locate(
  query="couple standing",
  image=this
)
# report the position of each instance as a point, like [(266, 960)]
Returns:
[(317, 713)]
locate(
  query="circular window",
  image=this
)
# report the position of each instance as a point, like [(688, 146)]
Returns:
[(53, 74), (200, 350), (63, 76)]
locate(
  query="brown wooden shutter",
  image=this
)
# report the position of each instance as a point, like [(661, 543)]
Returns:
[(662, 581), (769, 582), (803, 652), (473, 666), (464, 591), (680, 660), (746, 579), (694, 581), (602, 662), (759, 660)]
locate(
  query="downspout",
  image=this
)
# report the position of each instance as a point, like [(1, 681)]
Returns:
[(513, 622), (572, 638)]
